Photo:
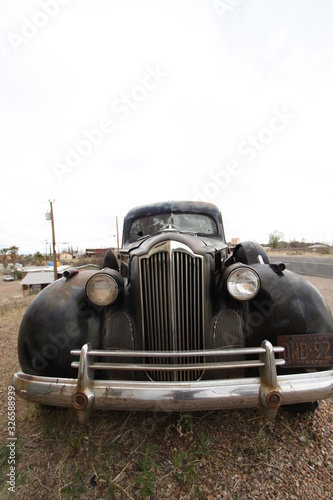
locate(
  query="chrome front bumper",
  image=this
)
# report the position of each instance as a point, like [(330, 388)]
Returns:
[(267, 392)]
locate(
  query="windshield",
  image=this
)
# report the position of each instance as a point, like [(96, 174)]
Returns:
[(200, 224)]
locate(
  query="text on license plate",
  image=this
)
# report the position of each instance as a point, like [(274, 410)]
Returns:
[(307, 350)]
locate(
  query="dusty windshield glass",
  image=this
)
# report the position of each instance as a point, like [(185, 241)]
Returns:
[(200, 224)]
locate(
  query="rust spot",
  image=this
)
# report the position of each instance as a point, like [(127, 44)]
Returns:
[(273, 399), (80, 400)]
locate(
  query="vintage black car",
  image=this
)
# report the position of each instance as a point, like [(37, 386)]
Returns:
[(176, 321)]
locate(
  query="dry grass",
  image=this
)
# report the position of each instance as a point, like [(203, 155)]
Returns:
[(234, 454)]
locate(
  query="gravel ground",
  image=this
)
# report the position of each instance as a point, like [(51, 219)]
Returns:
[(222, 454)]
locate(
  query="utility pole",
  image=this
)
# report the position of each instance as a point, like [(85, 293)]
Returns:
[(53, 244), (118, 254), (117, 233)]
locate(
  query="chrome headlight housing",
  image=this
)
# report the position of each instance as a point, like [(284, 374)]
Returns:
[(243, 283), (103, 288)]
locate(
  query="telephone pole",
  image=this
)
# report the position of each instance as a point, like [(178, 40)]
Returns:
[(53, 244)]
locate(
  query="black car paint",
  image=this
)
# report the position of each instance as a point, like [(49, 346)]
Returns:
[(61, 317)]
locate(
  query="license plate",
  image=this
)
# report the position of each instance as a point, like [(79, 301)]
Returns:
[(307, 351)]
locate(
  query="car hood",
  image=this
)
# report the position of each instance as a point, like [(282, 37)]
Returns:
[(198, 244)]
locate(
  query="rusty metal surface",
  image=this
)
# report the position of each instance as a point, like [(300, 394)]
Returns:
[(307, 351), (267, 392), (184, 396)]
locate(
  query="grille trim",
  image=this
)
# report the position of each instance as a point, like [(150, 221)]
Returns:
[(171, 282)]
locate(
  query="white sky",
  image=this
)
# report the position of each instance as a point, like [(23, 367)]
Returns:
[(240, 115)]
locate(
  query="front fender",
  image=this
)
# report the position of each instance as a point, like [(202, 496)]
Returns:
[(286, 304), (59, 319)]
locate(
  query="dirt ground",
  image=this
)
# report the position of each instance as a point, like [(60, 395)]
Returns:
[(214, 455), (10, 290)]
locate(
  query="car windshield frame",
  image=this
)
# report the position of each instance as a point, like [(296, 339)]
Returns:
[(186, 222)]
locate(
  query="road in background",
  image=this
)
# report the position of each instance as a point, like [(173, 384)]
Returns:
[(304, 264)]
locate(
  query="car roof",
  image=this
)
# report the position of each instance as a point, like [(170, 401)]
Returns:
[(199, 207)]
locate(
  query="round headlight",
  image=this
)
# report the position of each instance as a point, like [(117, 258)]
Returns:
[(102, 289), (243, 283)]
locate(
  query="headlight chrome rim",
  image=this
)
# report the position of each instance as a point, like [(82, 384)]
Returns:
[(102, 289), (243, 283)]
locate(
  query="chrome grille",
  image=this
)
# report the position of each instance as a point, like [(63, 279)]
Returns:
[(172, 307)]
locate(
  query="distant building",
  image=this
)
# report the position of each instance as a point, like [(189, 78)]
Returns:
[(319, 247), (99, 252), (66, 257), (37, 278), (234, 241)]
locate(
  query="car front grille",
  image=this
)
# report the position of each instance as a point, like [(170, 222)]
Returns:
[(172, 307)]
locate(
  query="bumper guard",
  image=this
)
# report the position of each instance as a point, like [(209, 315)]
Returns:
[(267, 392)]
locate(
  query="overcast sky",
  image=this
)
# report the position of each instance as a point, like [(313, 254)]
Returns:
[(110, 104)]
